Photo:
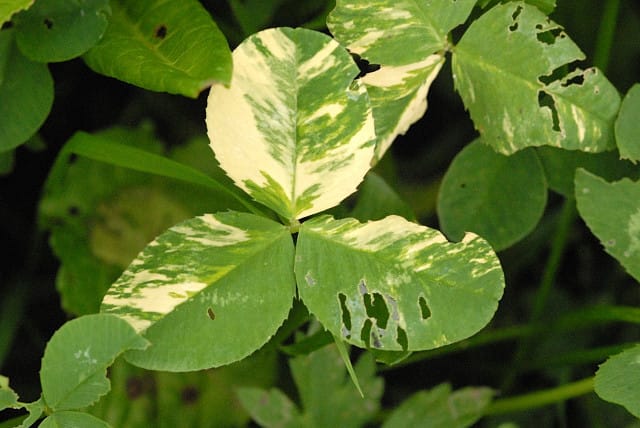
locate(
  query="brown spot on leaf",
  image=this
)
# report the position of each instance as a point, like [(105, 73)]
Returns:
[(161, 32)]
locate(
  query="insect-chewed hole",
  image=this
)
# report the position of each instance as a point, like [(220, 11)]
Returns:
[(514, 16), (48, 23), (189, 394), (160, 32), (425, 312), (549, 37), (402, 339), (211, 314), (365, 333), (346, 315), (546, 101), (376, 308)]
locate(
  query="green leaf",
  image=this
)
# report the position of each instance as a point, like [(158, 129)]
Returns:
[(397, 285), (224, 280), (162, 46), (612, 212), (509, 70), (546, 6), (26, 94), (329, 399), (35, 409), (627, 127), (560, 167), (380, 33), (9, 7), (441, 408), (74, 366), (376, 200), (58, 30), (254, 15), (498, 197), (617, 380), (8, 398), (293, 130), (73, 419)]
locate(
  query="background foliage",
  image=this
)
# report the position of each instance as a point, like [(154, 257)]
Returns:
[(567, 307)]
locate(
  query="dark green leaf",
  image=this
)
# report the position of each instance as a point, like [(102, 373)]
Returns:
[(26, 94), (376, 200), (58, 30), (501, 198), (162, 46)]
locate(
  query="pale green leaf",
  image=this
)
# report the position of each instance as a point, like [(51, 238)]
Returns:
[(74, 366), (26, 94), (500, 198), (162, 46), (560, 167), (293, 130), (408, 40), (8, 397), (628, 125), (612, 212), (508, 70), (69, 419), (395, 285), (9, 7), (441, 408), (58, 30), (35, 409), (546, 6), (207, 292), (617, 380), (270, 408)]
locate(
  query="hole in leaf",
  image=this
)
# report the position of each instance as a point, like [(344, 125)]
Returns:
[(549, 37), (362, 287), (578, 79), (463, 185), (73, 158), (346, 315), (161, 32), (137, 386), (365, 333), (425, 312), (546, 101), (514, 16), (211, 314), (364, 65), (376, 308), (48, 23), (402, 338), (189, 395), (73, 210)]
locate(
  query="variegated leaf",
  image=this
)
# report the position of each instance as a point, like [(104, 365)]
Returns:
[(408, 39), (508, 68), (209, 291), (395, 285), (294, 130)]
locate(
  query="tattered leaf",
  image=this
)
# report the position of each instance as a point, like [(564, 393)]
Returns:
[(73, 373), (380, 32), (546, 6), (627, 127), (8, 397), (560, 167), (293, 130), (207, 292), (617, 380), (9, 7), (26, 94), (58, 30), (395, 285), (612, 212), (162, 46), (508, 70), (73, 419), (497, 197), (441, 408)]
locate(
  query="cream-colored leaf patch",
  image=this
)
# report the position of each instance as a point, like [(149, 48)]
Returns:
[(293, 129)]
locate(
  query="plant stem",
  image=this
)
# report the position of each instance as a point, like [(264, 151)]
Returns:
[(541, 398), (602, 50), (566, 219)]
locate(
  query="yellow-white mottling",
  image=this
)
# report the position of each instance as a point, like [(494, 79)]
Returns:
[(578, 118), (232, 235), (369, 39), (320, 62), (507, 126)]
